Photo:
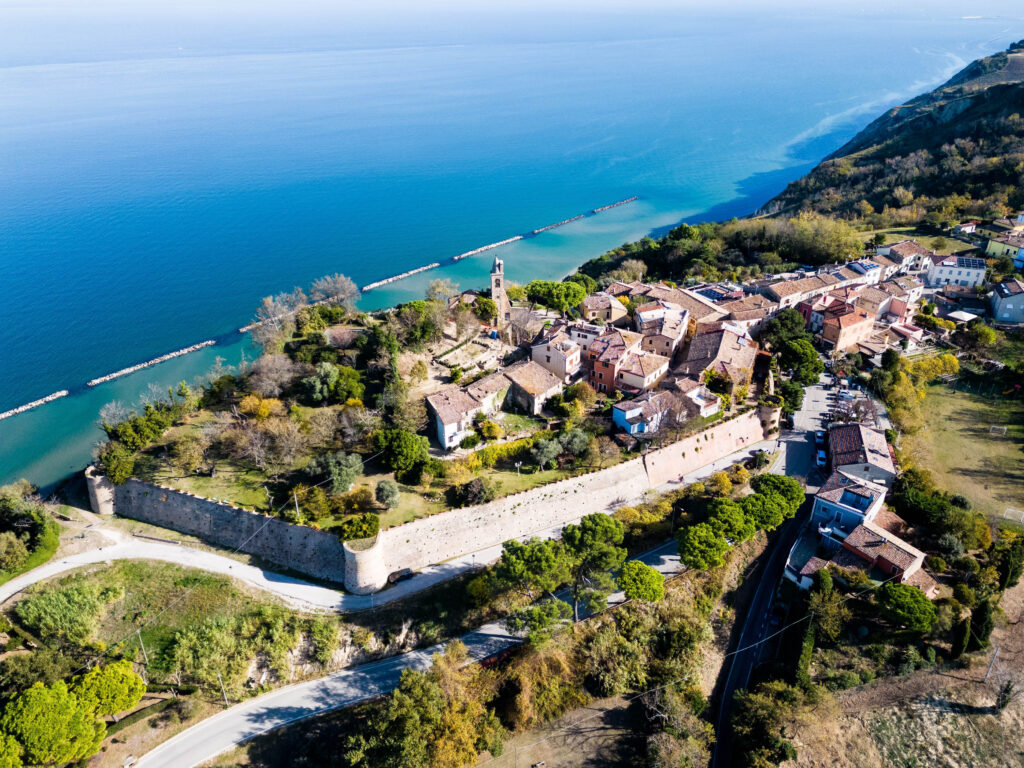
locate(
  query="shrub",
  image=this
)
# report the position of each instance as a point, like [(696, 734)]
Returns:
[(965, 595), (490, 431), (359, 527), (476, 491), (70, 612), (387, 493), (470, 441), (936, 563)]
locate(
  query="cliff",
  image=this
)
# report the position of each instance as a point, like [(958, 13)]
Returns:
[(965, 138)]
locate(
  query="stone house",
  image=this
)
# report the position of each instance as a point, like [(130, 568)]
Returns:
[(645, 413), (532, 385), (911, 254), (723, 351), (605, 307), (555, 350)]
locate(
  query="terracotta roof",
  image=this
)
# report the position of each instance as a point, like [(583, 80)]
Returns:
[(889, 521), (613, 344), (856, 444), (532, 378), (846, 316), (922, 580), (885, 261), (598, 301), (812, 566), (651, 404), (872, 542)]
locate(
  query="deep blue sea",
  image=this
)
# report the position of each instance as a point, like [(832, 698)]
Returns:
[(162, 169)]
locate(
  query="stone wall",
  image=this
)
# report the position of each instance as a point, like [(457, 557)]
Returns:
[(672, 462), (431, 540), (461, 531), (297, 547), (101, 492)]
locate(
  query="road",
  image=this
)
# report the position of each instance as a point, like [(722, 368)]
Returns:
[(237, 724), (799, 462)]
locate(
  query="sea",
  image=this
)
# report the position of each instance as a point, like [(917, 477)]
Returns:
[(164, 166)]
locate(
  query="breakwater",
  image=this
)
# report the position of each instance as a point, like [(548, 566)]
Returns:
[(616, 205), (33, 404), (487, 247), (402, 276), (148, 363), (561, 223)]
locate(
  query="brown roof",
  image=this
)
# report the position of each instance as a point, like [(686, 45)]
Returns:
[(613, 344), (872, 542), (650, 404), (838, 485), (532, 378), (885, 261), (857, 444), (907, 248), (846, 316), (723, 350)]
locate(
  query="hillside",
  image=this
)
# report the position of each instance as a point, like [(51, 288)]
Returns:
[(957, 151)]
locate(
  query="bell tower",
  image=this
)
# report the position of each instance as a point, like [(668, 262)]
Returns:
[(498, 293)]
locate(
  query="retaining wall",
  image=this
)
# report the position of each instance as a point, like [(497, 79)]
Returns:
[(296, 547), (672, 462)]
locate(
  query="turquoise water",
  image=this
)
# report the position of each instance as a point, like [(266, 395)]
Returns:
[(161, 175)]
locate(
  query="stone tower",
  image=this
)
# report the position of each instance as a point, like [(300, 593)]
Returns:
[(498, 294)]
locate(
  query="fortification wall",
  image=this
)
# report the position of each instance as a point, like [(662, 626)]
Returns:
[(674, 461), (296, 547), (101, 492), (461, 531)]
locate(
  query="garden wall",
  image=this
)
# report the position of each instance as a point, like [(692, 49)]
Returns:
[(296, 547)]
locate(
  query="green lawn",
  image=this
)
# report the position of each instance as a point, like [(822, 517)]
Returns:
[(896, 234), (1010, 348), (964, 456)]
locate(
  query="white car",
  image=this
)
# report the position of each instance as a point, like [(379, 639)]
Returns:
[(821, 461)]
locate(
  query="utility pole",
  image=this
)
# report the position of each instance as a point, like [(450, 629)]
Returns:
[(144, 654), (222, 691), (296, 497), (992, 663)]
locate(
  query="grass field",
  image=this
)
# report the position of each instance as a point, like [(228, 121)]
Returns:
[(964, 457), (925, 238)]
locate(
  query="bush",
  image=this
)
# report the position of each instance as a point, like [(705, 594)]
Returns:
[(965, 595), (361, 526), (476, 491), (470, 441), (387, 493), (69, 613), (936, 563)]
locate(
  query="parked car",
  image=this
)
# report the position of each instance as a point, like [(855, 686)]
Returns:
[(845, 394), (821, 461), (819, 438)]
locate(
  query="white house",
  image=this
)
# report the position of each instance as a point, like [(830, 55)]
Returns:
[(844, 502), (956, 270), (862, 453)]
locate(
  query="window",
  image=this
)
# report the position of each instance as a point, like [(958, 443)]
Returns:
[(600, 375), (548, 358)]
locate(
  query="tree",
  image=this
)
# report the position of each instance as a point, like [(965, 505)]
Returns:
[(538, 566), (335, 289), (830, 613), (52, 725), (575, 441), (720, 484), (340, 468), (767, 510), (589, 284), (334, 383), (275, 316), (907, 606), (594, 548), (787, 487), (117, 462), (189, 453), (961, 638), (701, 547), (400, 450), (13, 552), (387, 493), (792, 395), (639, 581), (980, 334), (728, 520), (546, 451), (419, 371), (803, 358), (538, 621), (110, 689), (758, 719), (441, 289), (560, 297), (486, 309), (787, 325), (891, 360), (982, 622), (271, 374)]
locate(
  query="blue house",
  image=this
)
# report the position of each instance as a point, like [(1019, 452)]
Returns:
[(645, 413)]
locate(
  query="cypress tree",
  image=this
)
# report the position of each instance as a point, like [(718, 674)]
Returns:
[(961, 634), (981, 626)]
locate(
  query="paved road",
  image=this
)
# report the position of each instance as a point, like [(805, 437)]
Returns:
[(799, 462), (233, 726)]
